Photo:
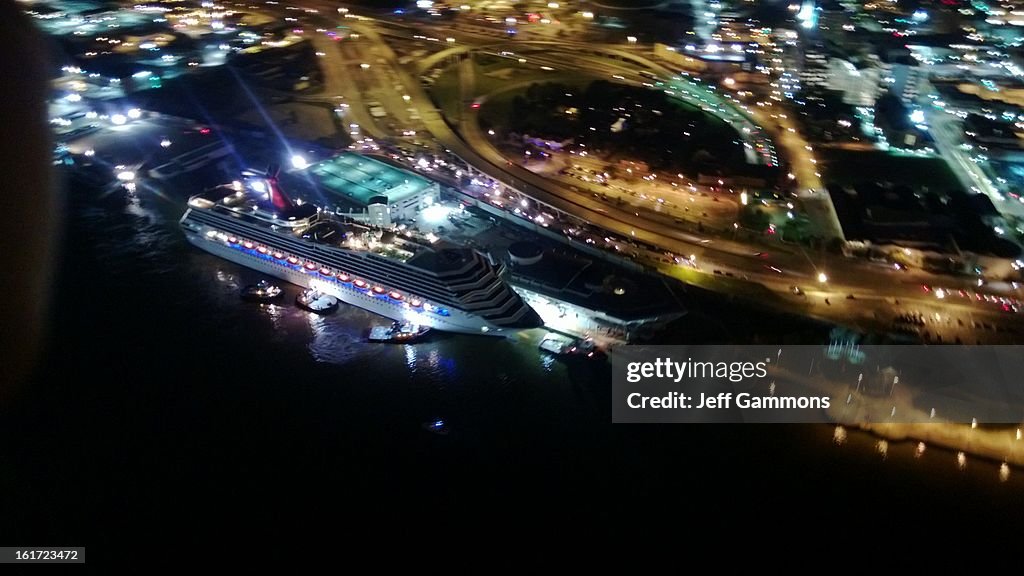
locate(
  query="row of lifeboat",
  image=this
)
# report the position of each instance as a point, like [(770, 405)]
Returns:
[(326, 272)]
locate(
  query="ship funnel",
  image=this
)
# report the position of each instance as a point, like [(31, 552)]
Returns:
[(278, 198)]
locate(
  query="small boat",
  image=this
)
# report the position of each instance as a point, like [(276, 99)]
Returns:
[(316, 301), (262, 291), (565, 347), (401, 333), (438, 427)]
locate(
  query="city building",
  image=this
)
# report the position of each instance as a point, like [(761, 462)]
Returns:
[(367, 189), (859, 86), (814, 73), (902, 77), (588, 297)]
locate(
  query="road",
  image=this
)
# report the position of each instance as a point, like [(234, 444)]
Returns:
[(844, 276), (788, 265), (947, 133), (338, 87)]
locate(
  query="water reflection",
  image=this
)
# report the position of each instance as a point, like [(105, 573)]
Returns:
[(276, 314), (227, 279), (317, 323), (839, 436), (334, 341), (410, 356)]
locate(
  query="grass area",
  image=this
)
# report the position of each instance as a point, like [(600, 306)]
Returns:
[(851, 167), (618, 122)]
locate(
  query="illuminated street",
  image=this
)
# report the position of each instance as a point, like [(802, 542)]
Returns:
[(393, 272)]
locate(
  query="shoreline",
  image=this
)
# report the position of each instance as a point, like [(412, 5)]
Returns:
[(997, 446)]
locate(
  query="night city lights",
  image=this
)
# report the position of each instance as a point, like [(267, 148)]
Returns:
[(284, 272)]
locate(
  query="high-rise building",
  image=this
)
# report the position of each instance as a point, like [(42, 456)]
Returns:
[(902, 76), (859, 86), (815, 70)]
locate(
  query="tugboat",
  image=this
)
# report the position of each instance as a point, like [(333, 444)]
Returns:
[(316, 301), (401, 333), (261, 292), (566, 348)]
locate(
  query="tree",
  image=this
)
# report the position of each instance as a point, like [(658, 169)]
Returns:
[(755, 219)]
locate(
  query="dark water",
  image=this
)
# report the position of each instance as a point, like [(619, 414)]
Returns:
[(168, 409)]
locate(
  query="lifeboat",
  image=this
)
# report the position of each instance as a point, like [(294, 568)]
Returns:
[(310, 266), (325, 272), (248, 245), (293, 260), (262, 249), (395, 295), (279, 255)]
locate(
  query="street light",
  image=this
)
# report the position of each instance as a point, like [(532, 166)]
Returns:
[(631, 39), (822, 278)]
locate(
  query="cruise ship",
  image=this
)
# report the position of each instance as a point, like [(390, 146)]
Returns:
[(253, 222)]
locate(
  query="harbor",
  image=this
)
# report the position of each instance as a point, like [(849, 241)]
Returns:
[(554, 287)]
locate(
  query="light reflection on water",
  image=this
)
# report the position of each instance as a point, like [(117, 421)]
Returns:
[(444, 362), (839, 436), (145, 245), (317, 324), (410, 356), (334, 341), (274, 312), (916, 455), (227, 279)]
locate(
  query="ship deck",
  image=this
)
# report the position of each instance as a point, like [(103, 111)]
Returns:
[(326, 229)]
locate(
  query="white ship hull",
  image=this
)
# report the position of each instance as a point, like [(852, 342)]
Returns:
[(456, 321)]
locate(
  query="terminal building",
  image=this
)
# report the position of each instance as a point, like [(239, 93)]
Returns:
[(591, 298), (365, 189)]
